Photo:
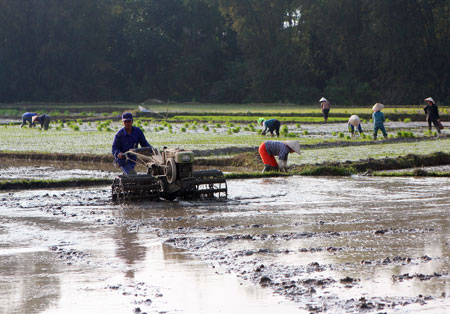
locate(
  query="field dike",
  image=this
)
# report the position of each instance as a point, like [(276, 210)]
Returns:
[(240, 166)]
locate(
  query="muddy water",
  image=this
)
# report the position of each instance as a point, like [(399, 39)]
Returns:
[(282, 245)]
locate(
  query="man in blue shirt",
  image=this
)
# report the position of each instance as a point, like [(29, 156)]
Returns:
[(26, 117), (125, 139)]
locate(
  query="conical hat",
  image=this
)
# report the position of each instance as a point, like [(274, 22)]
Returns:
[(377, 107), (430, 99), (294, 145), (323, 99), (34, 118), (354, 120)]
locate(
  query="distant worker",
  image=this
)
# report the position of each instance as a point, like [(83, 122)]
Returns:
[(354, 122), (432, 115), (269, 149), (325, 107), (125, 139), (43, 120), (27, 117), (270, 125), (378, 120)]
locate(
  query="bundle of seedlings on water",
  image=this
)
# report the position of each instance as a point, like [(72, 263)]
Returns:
[(218, 125), (305, 132), (406, 120), (297, 125), (341, 134), (229, 132), (236, 129), (247, 129), (333, 133), (284, 130), (80, 122)]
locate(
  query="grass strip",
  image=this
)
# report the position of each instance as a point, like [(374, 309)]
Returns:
[(26, 184), (414, 173)]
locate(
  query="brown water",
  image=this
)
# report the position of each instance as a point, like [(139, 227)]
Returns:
[(72, 251)]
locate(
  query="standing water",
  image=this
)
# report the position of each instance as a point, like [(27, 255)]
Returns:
[(280, 245)]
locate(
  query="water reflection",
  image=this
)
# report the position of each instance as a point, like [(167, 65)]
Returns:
[(26, 283)]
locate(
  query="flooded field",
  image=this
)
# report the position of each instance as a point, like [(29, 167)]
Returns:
[(280, 245)]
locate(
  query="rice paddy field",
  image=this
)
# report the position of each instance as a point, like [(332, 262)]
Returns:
[(76, 130)]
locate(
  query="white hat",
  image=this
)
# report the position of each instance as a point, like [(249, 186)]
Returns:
[(354, 120), (294, 145), (377, 107), (430, 99), (323, 99)]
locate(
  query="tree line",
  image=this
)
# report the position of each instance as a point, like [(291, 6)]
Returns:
[(351, 51)]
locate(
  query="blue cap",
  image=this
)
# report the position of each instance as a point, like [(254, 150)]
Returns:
[(127, 116)]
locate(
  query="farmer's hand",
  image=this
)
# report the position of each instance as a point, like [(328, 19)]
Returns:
[(120, 156), (263, 132)]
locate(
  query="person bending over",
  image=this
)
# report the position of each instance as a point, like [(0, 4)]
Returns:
[(270, 125), (27, 118), (269, 149)]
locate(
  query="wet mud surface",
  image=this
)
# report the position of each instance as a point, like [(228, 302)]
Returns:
[(278, 245)]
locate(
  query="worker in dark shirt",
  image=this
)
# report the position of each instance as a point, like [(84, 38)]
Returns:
[(43, 120), (270, 125), (432, 114), (125, 139)]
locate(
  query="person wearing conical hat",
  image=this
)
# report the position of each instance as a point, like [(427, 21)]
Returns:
[(269, 149), (354, 122), (325, 107), (378, 120), (271, 125), (432, 114)]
